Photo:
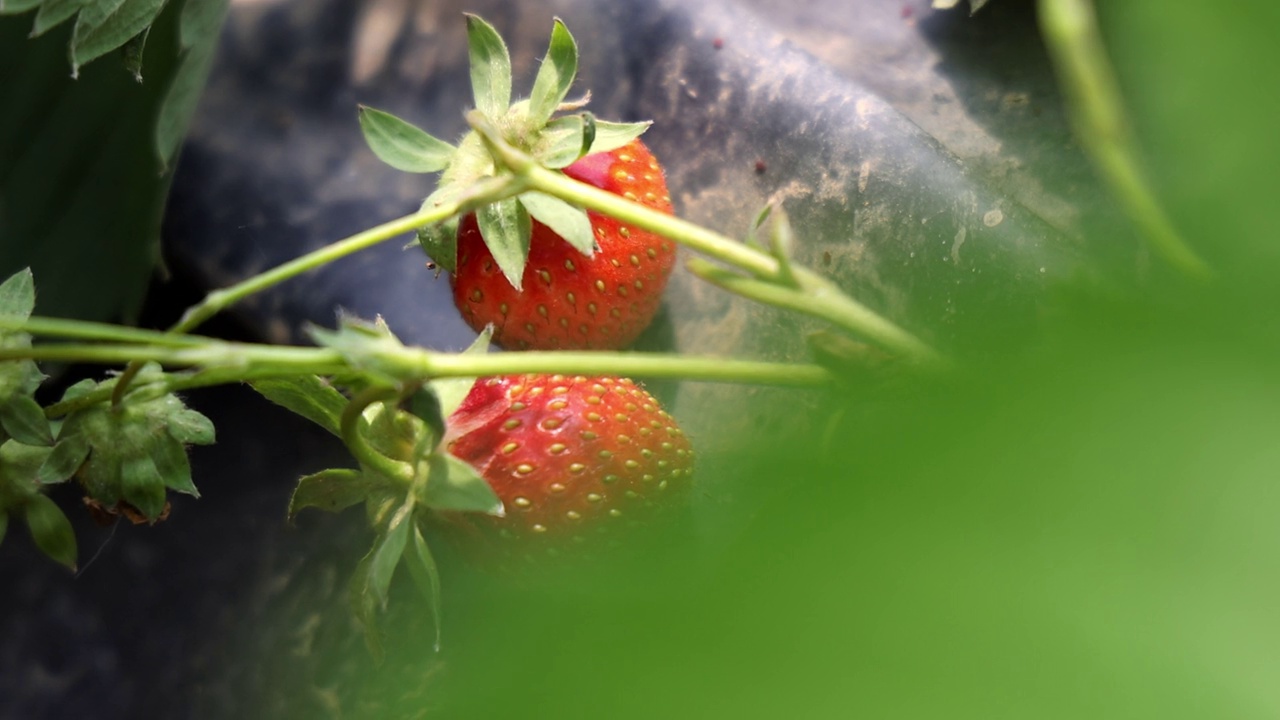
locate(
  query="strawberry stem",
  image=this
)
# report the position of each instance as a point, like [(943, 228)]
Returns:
[(352, 421)]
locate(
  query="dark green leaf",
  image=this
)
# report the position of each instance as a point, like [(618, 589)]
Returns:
[(51, 530), (555, 75), (490, 68), (454, 485), (142, 485), (331, 490), (67, 457), (388, 549), (15, 7), (170, 458), (200, 22), (308, 396), (105, 25), (190, 427), (567, 221), (53, 13), (401, 145), (18, 295), (506, 230), (23, 418), (425, 574), (452, 391), (133, 51)]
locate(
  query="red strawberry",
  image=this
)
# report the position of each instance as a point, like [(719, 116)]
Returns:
[(570, 300), (570, 457)]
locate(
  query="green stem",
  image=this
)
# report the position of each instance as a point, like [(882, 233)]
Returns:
[(234, 362), (824, 300), (1070, 29), (352, 420), (219, 300), (102, 332)]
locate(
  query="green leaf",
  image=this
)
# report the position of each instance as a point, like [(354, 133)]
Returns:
[(454, 485), (425, 574), (18, 295), (133, 51), (16, 7), (200, 22), (364, 604), (388, 549), (565, 220), (452, 391), (361, 343), (199, 26), (506, 230), (19, 467), (51, 530), (331, 490), (24, 420), (105, 25), (308, 396), (613, 135), (426, 406), (560, 143), (401, 145), (555, 76), (53, 13), (490, 68), (190, 427), (67, 457), (142, 485), (170, 458)]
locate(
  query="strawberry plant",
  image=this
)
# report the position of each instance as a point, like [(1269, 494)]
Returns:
[(558, 235)]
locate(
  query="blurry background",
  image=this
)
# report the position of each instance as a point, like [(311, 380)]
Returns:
[(1080, 524)]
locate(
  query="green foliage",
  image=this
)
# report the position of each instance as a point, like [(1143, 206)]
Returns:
[(490, 67), (506, 228), (308, 396), (555, 75), (20, 416), (402, 145)]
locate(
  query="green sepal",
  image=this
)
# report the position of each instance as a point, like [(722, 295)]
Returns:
[(440, 240), (452, 391), (555, 75), (490, 68), (361, 343), (104, 25), (565, 220), (506, 229), (331, 490), (174, 467), (18, 295), (51, 530), (426, 576), (65, 459), (19, 471), (453, 485), (394, 433), (132, 52), (142, 485), (403, 145), (24, 420), (613, 135), (389, 549), (308, 396), (425, 405), (565, 140), (364, 604)]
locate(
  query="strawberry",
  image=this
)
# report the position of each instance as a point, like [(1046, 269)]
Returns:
[(571, 300), (545, 273), (570, 457)]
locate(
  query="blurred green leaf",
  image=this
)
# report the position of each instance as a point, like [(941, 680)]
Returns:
[(440, 241), (453, 485), (67, 457), (308, 396), (133, 52), (14, 7), (401, 145), (141, 485), (388, 549), (53, 13), (422, 567), (452, 391), (23, 418), (104, 25), (18, 295), (51, 531)]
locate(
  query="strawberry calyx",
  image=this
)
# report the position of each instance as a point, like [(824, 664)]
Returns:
[(537, 125)]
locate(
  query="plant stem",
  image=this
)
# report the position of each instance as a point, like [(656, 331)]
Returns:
[(823, 299), (1070, 29), (234, 362), (353, 418)]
